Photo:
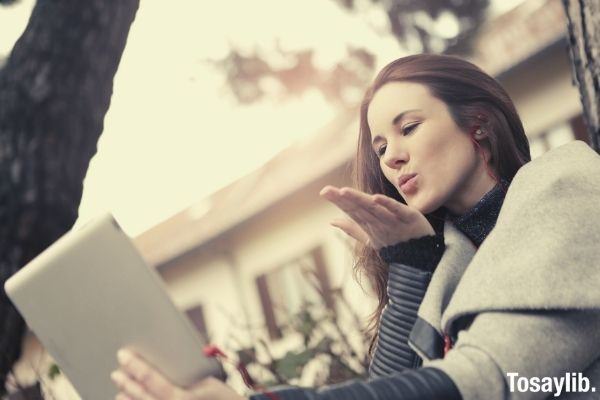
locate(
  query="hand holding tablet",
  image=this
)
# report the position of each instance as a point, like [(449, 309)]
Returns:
[(137, 380)]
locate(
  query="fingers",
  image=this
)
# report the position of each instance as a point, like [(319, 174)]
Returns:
[(129, 388), (142, 380), (358, 205), (352, 229), (400, 210), (376, 220), (407, 214), (367, 203), (372, 222)]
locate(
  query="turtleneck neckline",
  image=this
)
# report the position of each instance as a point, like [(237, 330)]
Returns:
[(477, 222)]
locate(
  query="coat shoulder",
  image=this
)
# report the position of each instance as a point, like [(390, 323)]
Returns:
[(543, 252)]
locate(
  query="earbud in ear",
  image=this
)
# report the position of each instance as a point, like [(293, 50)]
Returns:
[(477, 131)]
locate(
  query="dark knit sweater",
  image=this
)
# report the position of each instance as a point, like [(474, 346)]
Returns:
[(411, 264)]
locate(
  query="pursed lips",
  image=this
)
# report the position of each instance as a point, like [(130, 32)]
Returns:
[(405, 178)]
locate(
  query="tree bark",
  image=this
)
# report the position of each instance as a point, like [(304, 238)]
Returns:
[(55, 89), (584, 43)]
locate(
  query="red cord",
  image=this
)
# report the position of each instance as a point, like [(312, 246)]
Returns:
[(447, 344), (489, 171), (485, 162), (213, 351)]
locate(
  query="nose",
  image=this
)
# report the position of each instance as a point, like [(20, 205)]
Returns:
[(395, 158)]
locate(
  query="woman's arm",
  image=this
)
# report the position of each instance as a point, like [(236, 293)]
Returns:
[(420, 384), (137, 380), (423, 253), (411, 265)]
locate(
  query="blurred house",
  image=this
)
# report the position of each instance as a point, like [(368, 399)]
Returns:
[(235, 258), (234, 262)]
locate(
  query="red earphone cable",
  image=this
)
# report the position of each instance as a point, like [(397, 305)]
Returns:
[(213, 351), (485, 161), (487, 168)]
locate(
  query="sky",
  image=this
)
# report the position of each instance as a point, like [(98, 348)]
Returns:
[(173, 134)]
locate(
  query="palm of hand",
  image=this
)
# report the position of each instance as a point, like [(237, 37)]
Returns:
[(376, 220)]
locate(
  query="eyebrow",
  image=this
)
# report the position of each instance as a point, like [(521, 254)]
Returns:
[(395, 121)]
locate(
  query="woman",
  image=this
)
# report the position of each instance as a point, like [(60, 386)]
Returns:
[(441, 152)]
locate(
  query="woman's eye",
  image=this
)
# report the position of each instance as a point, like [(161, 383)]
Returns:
[(381, 150), (409, 128)]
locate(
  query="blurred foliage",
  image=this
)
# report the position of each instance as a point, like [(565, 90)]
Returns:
[(419, 26), (53, 371), (416, 19), (251, 77), (332, 348), (8, 2)]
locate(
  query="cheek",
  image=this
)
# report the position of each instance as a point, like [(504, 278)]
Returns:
[(430, 197), (387, 172), (445, 164), (464, 161), (454, 168), (388, 175), (453, 155)]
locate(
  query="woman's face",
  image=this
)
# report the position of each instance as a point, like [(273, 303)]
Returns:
[(412, 132)]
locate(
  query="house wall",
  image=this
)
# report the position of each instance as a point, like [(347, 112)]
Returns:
[(542, 91), (222, 276)]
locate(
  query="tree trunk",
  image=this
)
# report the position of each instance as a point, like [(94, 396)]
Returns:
[(584, 42), (55, 89)]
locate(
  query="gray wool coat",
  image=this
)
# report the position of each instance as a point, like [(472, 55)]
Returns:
[(529, 301)]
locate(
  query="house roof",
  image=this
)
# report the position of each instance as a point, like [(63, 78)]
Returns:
[(290, 170), (515, 36)]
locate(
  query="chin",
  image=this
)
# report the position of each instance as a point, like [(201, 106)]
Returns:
[(424, 206)]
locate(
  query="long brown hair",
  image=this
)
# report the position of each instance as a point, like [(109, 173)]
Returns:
[(473, 98)]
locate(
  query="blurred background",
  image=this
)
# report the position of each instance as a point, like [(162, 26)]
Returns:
[(227, 119)]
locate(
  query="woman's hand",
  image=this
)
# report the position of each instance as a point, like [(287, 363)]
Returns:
[(137, 380), (376, 220)]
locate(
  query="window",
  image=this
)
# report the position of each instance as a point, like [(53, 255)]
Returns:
[(579, 128), (196, 315), (285, 289), (556, 136)]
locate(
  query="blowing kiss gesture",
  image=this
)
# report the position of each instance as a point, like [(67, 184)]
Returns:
[(375, 219)]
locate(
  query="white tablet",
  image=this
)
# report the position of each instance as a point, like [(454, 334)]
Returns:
[(91, 293)]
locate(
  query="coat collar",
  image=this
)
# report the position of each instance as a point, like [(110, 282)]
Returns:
[(480, 219), (426, 337), (542, 255)]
